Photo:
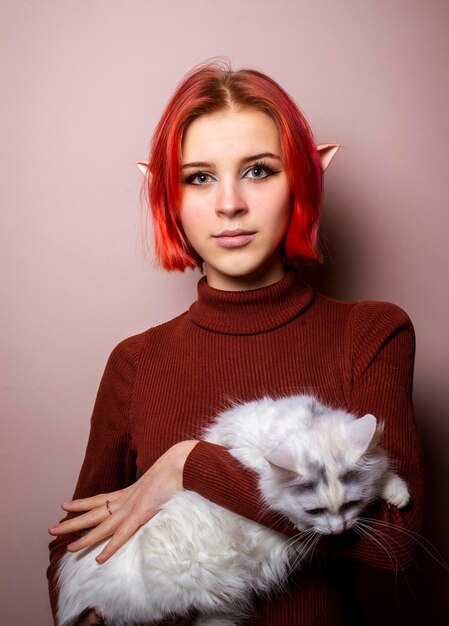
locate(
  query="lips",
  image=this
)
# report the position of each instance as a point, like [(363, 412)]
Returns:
[(234, 238)]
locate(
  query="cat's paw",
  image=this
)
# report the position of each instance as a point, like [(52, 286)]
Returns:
[(395, 491)]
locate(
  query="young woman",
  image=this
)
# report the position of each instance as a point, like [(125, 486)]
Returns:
[(234, 184)]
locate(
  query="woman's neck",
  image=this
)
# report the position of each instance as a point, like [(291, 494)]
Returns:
[(250, 311), (262, 277)]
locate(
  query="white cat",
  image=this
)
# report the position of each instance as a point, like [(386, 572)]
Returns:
[(318, 467)]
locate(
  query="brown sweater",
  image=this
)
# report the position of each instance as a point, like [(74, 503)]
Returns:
[(164, 385)]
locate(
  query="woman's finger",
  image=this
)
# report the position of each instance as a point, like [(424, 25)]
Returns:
[(81, 522), (87, 504), (106, 504), (120, 513), (102, 531), (119, 538)]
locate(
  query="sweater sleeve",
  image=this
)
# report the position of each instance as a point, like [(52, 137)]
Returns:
[(380, 381), (109, 462), (379, 371)]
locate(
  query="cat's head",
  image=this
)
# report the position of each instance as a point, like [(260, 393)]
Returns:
[(323, 478)]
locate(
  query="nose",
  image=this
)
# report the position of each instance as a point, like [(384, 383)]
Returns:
[(231, 201), (336, 526)]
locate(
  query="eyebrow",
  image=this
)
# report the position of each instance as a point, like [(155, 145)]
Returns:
[(253, 157)]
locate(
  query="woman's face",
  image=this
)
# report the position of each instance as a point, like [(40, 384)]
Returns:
[(235, 198)]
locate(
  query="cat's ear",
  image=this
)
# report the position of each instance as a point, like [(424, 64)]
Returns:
[(361, 432), (326, 152), (144, 167), (281, 456)]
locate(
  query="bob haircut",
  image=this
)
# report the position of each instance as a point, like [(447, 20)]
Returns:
[(210, 87)]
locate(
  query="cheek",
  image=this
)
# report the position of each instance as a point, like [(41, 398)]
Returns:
[(190, 219), (280, 215), (350, 518)]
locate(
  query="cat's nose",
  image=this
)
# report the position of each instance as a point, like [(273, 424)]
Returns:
[(336, 527)]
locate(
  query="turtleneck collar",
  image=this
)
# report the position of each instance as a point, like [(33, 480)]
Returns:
[(252, 311)]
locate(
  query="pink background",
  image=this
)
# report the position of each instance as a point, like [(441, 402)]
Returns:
[(83, 84)]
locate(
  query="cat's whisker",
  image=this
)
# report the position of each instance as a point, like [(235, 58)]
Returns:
[(308, 544), (390, 543), (386, 537), (298, 543), (280, 519), (311, 545), (428, 547), (365, 530)]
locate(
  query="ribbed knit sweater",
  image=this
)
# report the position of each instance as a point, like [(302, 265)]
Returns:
[(164, 385)]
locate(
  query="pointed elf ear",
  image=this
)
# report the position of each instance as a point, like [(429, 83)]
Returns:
[(327, 151), (143, 167)]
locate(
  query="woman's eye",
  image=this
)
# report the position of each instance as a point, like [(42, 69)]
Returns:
[(259, 171), (198, 178)]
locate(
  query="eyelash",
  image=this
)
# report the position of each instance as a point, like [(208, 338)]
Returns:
[(262, 165), (259, 165)]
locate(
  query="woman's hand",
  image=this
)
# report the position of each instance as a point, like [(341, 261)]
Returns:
[(119, 514)]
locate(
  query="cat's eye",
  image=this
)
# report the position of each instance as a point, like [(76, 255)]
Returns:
[(305, 486), (347, 506), (349, 476), (317, 511)]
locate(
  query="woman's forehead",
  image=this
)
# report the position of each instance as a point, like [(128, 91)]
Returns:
[(236, 133)]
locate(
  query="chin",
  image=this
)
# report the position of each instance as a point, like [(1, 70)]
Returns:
[(246, 269)]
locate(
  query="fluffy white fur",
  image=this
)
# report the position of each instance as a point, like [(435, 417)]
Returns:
[(318, 467)]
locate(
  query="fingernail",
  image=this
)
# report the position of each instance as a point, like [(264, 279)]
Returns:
[(54, 528), (100, 558), (71, 546)]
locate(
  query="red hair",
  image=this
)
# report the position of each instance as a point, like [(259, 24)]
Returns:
[(212, 87)]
